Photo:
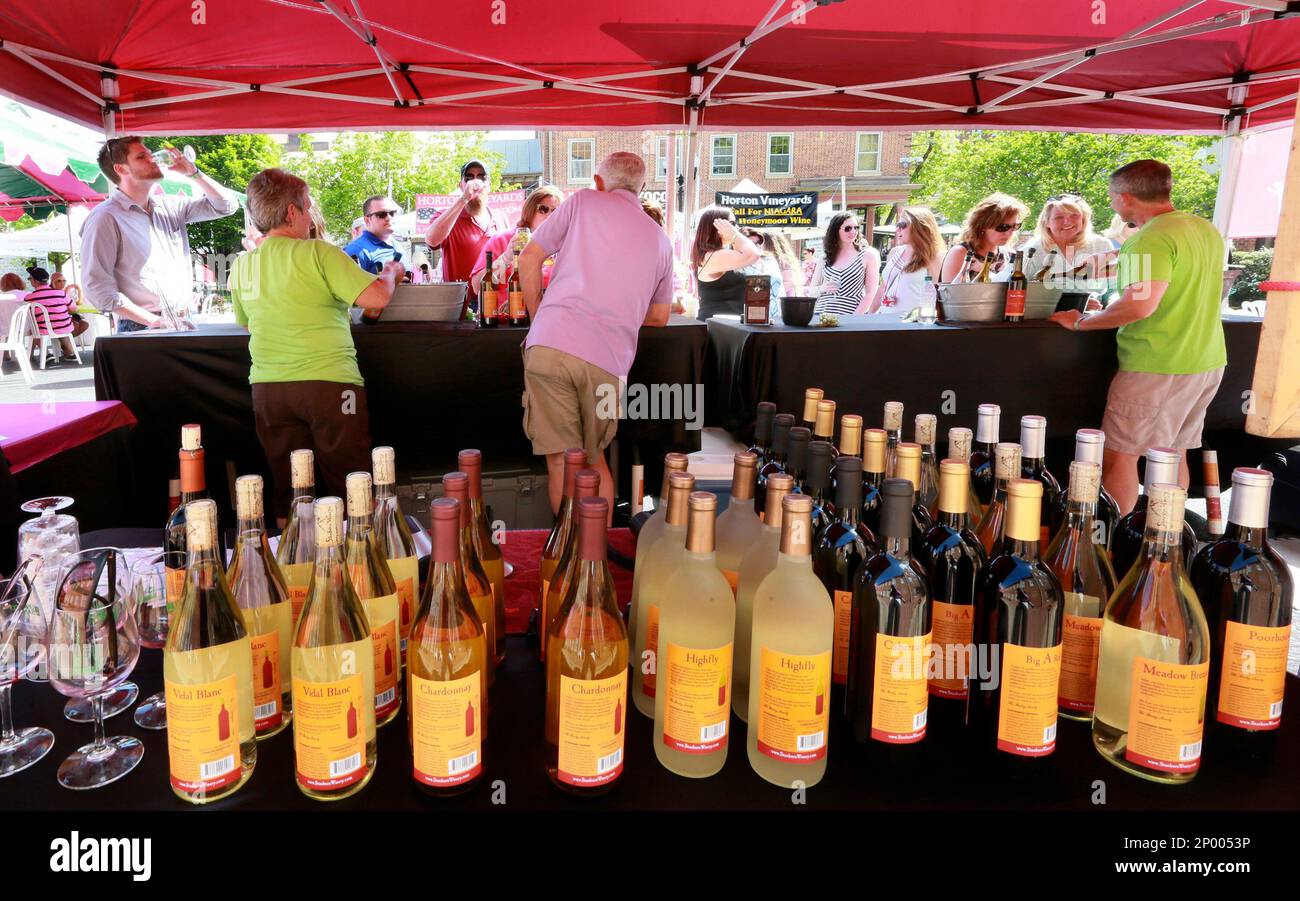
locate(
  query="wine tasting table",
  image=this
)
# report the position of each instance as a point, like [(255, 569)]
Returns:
[(433, 389), (949, 369)]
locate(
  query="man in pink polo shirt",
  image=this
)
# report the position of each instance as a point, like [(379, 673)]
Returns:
[(613, 273)]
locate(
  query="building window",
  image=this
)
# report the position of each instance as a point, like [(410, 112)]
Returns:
[(661, 157), (780, 154), (722, 156), (868, 157), (582, 153)]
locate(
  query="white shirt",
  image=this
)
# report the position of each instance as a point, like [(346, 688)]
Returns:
[(904, 291), (1060, 266)]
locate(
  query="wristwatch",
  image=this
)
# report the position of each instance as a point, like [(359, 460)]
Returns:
[(1078, 321)]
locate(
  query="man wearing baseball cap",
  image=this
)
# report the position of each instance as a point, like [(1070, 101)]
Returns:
[(465, 227), (58, 317)]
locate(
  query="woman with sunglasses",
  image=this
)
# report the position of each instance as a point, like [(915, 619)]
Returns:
[(539, 205), (1065, 239), (850, 274), (719, 253), (990, 225), (918, 252)]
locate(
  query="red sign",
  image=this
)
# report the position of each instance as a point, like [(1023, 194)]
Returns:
[(509, 202)]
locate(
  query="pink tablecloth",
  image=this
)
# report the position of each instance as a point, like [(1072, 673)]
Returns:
[(32, 433)]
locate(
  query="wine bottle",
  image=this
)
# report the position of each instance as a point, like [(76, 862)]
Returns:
[(1130, 531), (1248, 592), (660, 564), (850, 446), (758, 561), (953, 559), (817, 485), (586, 669), (651, 531), (811, 397), (762, 446), (333, 663), (193, 488), (982, 457), (1049, 261), (986, 269), (738, 527), (782, 424), (394, 539), (697, 626), (894, 428), (447, 665), (515, 300), (1089, 445), (258, 588), (1153, 666), (1213, 500), (1033, 465), (207, 675), (470, 462), (1018, 612), (1083, 569), (374, 586), (990, 528), (889, 633), (824, 429), (928, 488), (837, 557), (790, 660), (297, 547), (959, 447), (797, 461), (964, 275), (586, 484), (487, 304), (874, 457), (909, 468), (1017, 286), (575, 458), (478, 586)]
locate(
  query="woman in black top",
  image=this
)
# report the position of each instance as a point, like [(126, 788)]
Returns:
[(719, 251)]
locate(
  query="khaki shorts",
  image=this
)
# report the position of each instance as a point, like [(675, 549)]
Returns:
[(568, 402), (1151, 409)]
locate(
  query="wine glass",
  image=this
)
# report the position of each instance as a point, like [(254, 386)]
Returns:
[(19, 630), (48, 541), (149, 596), (91, 647)]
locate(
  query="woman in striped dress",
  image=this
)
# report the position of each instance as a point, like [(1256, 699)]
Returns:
[(850, 274)]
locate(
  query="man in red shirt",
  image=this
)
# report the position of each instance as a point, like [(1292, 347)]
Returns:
[(465, 227)]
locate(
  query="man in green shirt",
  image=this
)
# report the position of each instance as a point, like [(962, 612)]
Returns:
[(1170, 341), (294, 295)]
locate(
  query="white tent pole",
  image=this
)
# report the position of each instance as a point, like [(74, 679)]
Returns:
[(72, 250), (670, 182), (18, 51)]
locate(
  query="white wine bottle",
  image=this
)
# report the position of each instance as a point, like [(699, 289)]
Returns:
[(259, 590), (928, 489), (374, 586), (1153, 666), (455, 485), (697, 627), (297, 547), (738, 526), (893, 425), (586, 483), (754, 567), (393, 536), (651, 531), (660, 565), (193, 488), (471, 463), (208, 675), (1033, 465), (446, 670), (790, 660), (1006, 462), (575, 458), (333, 663)]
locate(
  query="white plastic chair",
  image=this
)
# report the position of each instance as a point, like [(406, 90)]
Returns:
[(15, 341), (52, 338)]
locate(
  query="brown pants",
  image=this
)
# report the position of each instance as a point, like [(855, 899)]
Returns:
[(330, 418)]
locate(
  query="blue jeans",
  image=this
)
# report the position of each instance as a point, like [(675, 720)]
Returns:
[(125, 325)]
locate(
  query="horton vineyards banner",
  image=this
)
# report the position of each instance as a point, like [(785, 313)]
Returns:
[(772, 210)]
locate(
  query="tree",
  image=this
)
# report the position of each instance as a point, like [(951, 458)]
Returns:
[(364, 163), (231, 160), (959, 168)]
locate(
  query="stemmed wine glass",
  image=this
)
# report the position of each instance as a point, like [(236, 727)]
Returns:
[(149, 590), (47, 542), (92, 646), (21, 626)]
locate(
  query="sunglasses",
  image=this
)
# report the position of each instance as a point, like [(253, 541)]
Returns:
[(848, 228), (1056, 197), (470, 176), (902, 225), (383, 214), (543, 208), (1006, 227)]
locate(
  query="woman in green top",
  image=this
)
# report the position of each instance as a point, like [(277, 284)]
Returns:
[(294, 293)]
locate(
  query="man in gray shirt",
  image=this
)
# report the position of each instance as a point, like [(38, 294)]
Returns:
[(134, 248)]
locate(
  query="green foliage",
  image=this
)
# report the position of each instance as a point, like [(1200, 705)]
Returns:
[(959, 168), (22, 222), (364, 163), (1256, 265), (57, 258)]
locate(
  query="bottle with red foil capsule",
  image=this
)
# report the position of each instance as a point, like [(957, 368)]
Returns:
[(455, 485), (207, 675), (447, 665), (1017, 286), (1033, 465), (1248, 594), (1213, 501), (297, 547), (990, 528), (333, 662), (587, 669), (470, 462), (1083, 568), (575, 458), (393, 536), (374, 586), (738, 526), (259, 590)]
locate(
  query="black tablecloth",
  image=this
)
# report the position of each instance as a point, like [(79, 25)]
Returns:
[(433, 389), (948, 370)]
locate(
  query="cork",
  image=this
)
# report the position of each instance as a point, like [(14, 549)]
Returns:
[(201, 525), (909, 463), (954, 481), (989, 424), (302, 468), (825, 418), (926, 423), (248, 497), (699, 527), (874, 443), (893, 416), (959, 443), (329, 522), (851, 435), (1250, 496), (1165, 507), (743, 472), (810, 398), (191, 437), (358, 487), (778, 487), (1089, 445), (1033, 437), (1085, 482), (796, 525), (1024, 509), (383, 461), (680, 486), (1007, 460)]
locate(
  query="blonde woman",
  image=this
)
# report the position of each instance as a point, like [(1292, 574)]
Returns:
[(918, 252), (1064, 239), (990, 226)]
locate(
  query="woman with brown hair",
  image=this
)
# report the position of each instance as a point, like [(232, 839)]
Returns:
[(719, 251), (990, 225), (850, 274), (918, 252), (539, 205)]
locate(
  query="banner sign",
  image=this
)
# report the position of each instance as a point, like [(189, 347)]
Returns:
[(772, 210), (427, 205)]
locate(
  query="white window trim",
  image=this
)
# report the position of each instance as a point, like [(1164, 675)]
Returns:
[(591, 142), (768, 163), (735, 156), (661, 141), (880, 152)]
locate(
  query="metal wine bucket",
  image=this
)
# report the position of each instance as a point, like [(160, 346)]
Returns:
[(973, 302)]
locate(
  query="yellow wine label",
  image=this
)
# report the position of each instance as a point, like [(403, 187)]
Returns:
[(1028, 704), (381, 613), (406, 573), (1166, 717), (203, 734), (175, 588), (446, 730), (329, 731), (268, 707), (1080, 641), (793, 705), (697, 707), (1254, 676), (652, 646), (843, 628), (953, 628), (899, 696), (1120, 646), (297, 578), (591, 720)]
